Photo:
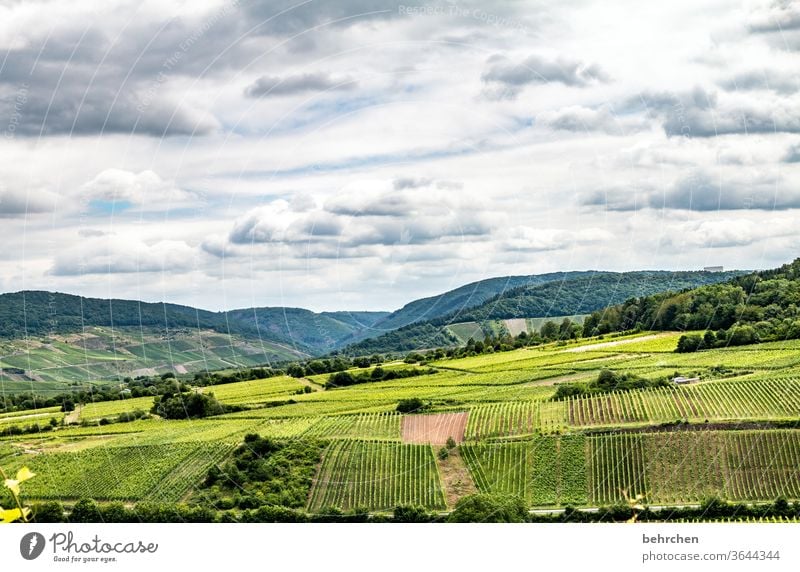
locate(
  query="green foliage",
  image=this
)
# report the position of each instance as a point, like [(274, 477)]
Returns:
[(189, 406), (563, 294), (411, 513), (608, 381), (345, 378), (263, 471), (412, 405), (18, 512), (489, 508)]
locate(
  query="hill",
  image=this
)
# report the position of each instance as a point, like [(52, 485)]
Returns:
[(467, 296), (762, 306), (581, 294), (37, 314)]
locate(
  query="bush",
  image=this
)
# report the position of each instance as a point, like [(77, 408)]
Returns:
[(189, 406), (490, 508), (408, 513), (412, 405), (689, 343)]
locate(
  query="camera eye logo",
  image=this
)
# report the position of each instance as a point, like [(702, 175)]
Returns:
[(31, 546)]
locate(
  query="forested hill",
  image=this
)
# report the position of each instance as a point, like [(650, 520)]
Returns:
[(580, 295), (468, 296), (760, 306), (39, 313)]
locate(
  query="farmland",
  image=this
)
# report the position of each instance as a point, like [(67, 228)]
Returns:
[(729, 435)]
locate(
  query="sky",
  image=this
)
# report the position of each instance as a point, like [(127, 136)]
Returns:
[(359, 154)]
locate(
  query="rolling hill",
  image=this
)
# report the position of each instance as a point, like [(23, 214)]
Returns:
[(52, 338), (583, 294)]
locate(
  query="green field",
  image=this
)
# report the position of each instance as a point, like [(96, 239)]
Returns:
[(101, 353), (376, 476), (728, 435)]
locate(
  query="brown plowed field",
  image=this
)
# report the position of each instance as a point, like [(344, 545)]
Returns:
[(434, 428)]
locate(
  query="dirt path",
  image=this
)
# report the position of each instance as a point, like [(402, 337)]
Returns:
[(73, 416), (456, 478)]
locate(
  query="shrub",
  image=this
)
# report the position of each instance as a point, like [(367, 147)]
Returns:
[(489, 508)]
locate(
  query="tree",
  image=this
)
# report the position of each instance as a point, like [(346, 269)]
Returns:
[(187, 406), (549, 330), (689, 343), (85, 510), (412, 405), (490, 508), (51, 511), (408, 513), (295, 370), (67, 405), (341, 379)]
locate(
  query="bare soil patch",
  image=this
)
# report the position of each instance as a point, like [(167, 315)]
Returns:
[(456, 478), (434, 429)]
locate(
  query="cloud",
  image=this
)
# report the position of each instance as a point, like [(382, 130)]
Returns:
[(370, 204), (271, 86), (507, 78), (583, 119), (290, 17), (410, 183), (792, 154), (778, 17), (784, 82), (702, 192), (701, 113), (145, 189), (529, 239), (124, 255), (725, 233), (92, 232), (16, 203), (266, 223)]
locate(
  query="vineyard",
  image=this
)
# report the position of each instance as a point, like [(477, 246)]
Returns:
[(674, 444), (546, 471), (153, 472), (376, 476), (678, 467)]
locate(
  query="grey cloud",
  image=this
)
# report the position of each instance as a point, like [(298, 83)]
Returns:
[(792, 154), (701, 192), (383, 205), (269, 86), (284, 17), (509, 78), (780, 16), (583, 119), (15, 203), (420, 231), (699, 113), (117, 80), (410, 183), (784, 83)]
